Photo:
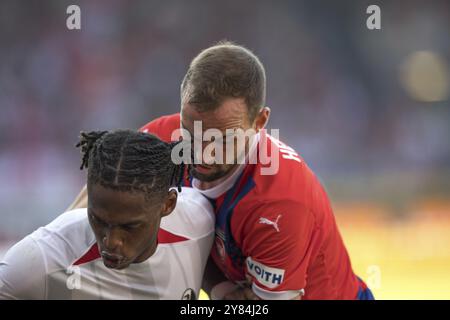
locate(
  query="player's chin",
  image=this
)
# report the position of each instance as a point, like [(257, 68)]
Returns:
[(113, 264), (213, 174), (203, 177)]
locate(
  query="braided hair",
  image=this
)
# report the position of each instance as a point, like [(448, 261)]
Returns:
[(127, 160)]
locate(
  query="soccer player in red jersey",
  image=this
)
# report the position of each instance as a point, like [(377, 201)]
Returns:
[(276, 235)]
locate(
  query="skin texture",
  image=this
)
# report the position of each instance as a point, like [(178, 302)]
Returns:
[(231, 114), (126, 224), (242, 294)]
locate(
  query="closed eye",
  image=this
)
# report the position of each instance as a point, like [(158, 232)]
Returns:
[(131, 226), (97, 220)]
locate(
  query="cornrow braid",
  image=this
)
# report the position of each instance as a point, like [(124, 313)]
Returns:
[(127, 160), (87, 142), (178, 170)]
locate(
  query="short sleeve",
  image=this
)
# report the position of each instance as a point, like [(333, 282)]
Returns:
[(23, 272), (279, 247)]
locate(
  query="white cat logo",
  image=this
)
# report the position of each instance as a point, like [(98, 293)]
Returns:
[(272, 223)]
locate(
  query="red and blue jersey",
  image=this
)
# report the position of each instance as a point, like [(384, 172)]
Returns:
[(278, 231)]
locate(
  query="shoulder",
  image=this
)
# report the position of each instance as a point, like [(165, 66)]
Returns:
[(286, 178), (26, 265), (67, 220), (23, 271), (163, 127), (66, 238), (70, 225), (193, 216), (280, 219)]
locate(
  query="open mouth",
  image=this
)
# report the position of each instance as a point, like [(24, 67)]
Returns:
[(112, 261)]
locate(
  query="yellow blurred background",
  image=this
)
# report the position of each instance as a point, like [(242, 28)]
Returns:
[(400, 258)]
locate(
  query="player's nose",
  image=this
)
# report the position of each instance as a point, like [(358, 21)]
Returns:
[(112, 241)]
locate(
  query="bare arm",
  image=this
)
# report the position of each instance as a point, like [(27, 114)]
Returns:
[(212, 276), (80, 200)]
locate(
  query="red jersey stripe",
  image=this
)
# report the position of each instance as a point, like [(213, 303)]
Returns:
[(165, 236), (90, 255)]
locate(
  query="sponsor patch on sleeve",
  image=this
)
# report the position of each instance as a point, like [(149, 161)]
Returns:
[(268, 276)]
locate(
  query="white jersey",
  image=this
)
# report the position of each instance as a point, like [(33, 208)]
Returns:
[(62, 261)]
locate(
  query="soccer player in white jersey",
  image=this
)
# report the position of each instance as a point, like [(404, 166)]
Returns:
[(138, 238)]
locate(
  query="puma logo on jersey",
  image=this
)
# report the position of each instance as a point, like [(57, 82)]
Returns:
[(271, 223)]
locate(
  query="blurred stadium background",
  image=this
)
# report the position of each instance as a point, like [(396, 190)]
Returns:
[(368, 110)]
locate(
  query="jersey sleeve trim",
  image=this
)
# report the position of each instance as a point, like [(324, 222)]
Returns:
[(276, 295)]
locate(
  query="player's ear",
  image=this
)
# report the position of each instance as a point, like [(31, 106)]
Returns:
[(262, 118), (170, 203)]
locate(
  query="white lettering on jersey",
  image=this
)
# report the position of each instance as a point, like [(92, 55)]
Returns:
[(74, 280), (268, 276), (286, 151)]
